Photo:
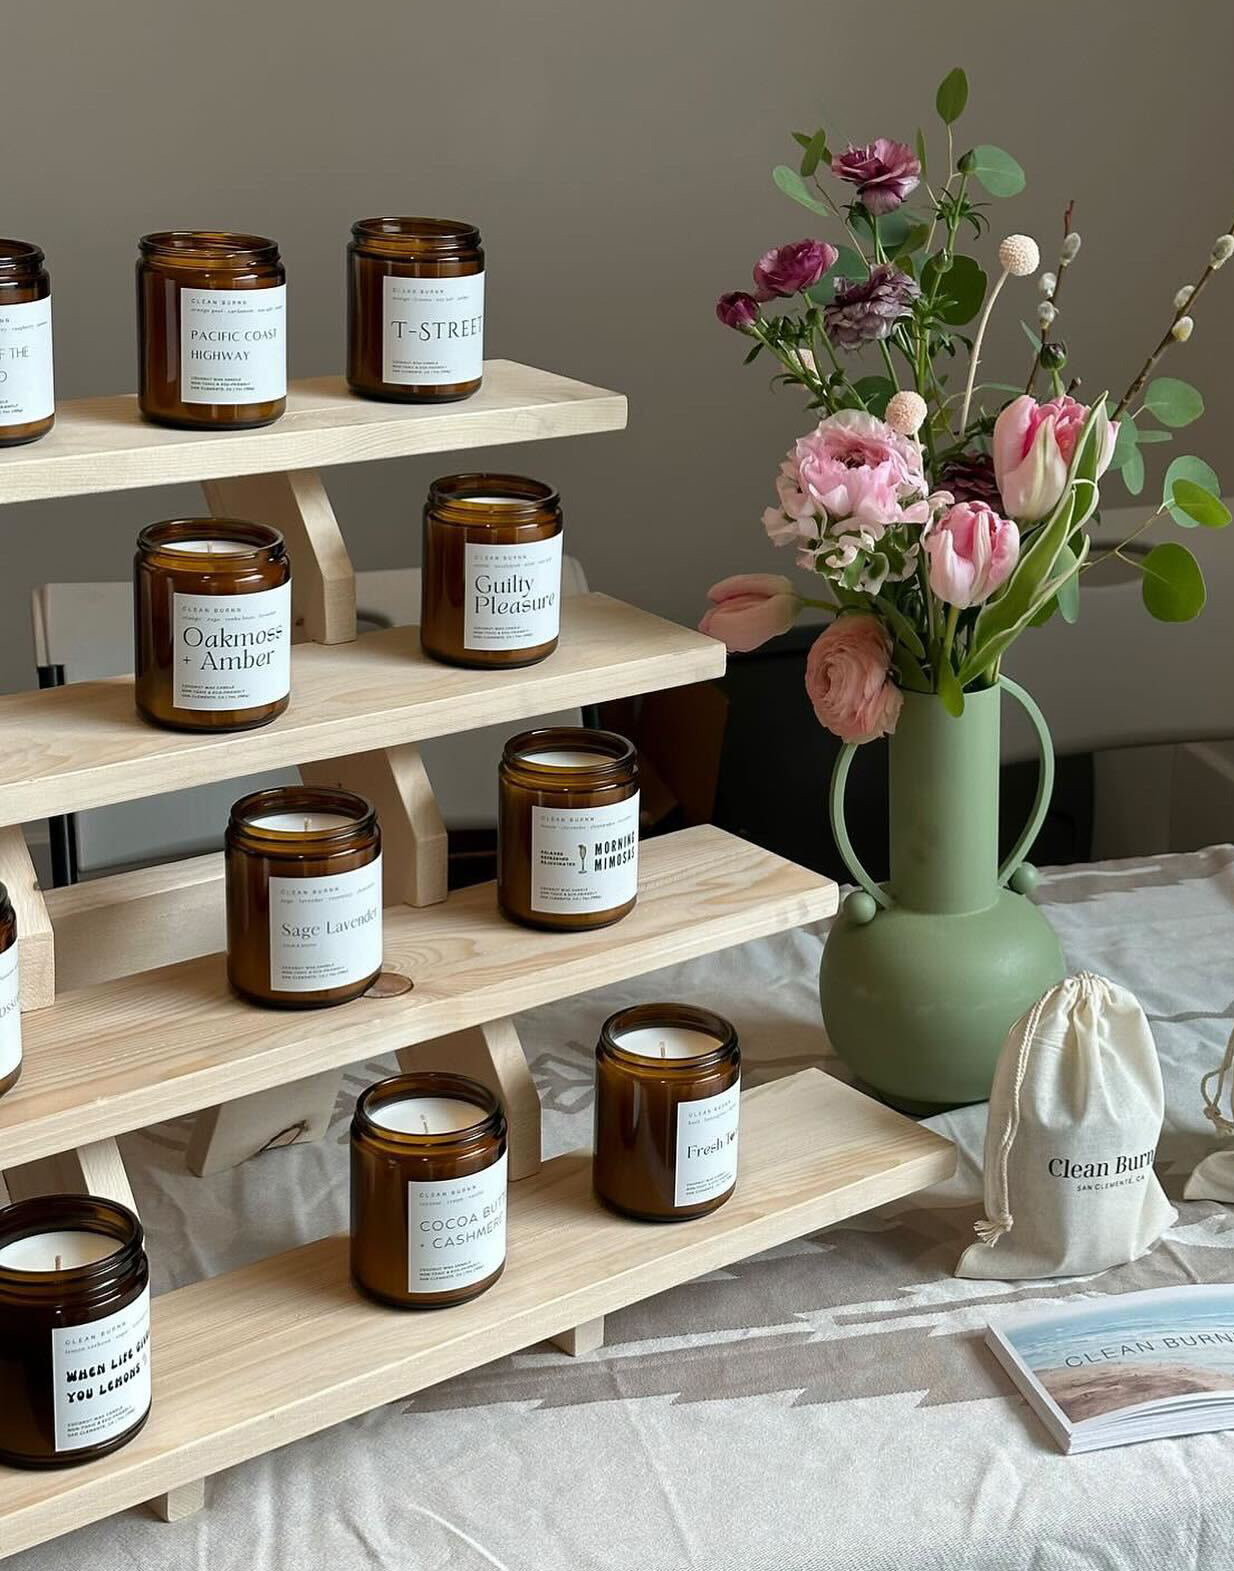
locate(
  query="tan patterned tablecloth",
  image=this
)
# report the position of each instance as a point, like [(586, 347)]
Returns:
[(828, 1405)]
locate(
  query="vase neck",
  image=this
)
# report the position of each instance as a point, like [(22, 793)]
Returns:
[(944, 804)]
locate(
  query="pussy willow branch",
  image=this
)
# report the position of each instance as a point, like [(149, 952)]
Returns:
[(1168, 336), (1059, 275)]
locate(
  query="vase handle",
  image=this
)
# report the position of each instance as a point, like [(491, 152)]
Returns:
[(839, 830), (1045, 790)]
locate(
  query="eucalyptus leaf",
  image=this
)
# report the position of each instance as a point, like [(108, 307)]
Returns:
[(814, 154), (1151, 436), (803, 138), (1067, 595), (1195, 470), (791, 183), (1172, 585), (1124, 442), (1199, 505), (997, 171), (1133, 472), (952, 95), (876, 392), (1174, 402), (847, 265), (1033, 338)]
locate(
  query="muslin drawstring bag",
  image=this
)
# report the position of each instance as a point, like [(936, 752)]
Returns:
[(1213, 1178), (1075, 1114)]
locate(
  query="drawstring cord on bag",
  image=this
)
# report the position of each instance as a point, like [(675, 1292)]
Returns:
[(1212, 1101), (991, 1228)]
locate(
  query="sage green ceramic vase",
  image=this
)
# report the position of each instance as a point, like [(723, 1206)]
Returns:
[(922, 977)]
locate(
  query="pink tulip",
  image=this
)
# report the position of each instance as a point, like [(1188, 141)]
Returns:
[(1033, 448), (848, 679), (748, 609), (972, 551)]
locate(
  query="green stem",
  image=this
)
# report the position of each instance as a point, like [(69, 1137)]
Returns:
[(953, 617), (891, 370)]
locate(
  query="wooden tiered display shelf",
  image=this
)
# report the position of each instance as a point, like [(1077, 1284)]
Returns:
[(142, 1027)]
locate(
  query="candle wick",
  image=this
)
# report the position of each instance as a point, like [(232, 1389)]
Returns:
[(663, 1054), (59, 1267), (424, 1121)]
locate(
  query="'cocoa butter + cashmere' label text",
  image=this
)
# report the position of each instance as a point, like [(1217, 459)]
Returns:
[(706, 1164), (584, 858), (325, 932), (512, 594), (231, 651), (456, 1229), (233, 345), (101, 1375), (432, 330)]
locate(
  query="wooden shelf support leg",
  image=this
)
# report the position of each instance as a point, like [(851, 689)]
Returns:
[(94, 1169), (290, 1115), (323, 585), (35, 943), (581, 1339), (493, 1055), (176, 1504)]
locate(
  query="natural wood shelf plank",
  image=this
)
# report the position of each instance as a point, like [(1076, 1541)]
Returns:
[(102, 444), (171, 1041), (67, 748), (261, 1356)]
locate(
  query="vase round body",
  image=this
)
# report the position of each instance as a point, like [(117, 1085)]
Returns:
[(27, 383), (415, 310), (211, 330), (922, 978)]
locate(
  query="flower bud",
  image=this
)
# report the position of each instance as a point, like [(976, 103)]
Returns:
[(1182, 297), (1053, 356), (1222, 251), (1069, 249), (738, 310), (1046, 312), (1047, 284), (1019, 255), (1181, 331)]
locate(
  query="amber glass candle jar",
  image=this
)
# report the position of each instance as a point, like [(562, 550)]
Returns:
[(27, 383), (490, 582), (428, 1190), (303, 876), (668, 1098), (567, 828), (212, 624), (10, 996), (415, 309), (211, 330), (74, 1330)]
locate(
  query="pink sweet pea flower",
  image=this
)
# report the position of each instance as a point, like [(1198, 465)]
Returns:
[(748, 609), (972, 552), (848, 679), (1033, 448)]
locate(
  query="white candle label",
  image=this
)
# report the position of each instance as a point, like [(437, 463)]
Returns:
[(101, 1376), (10, 1012), (432, 330), (231, 651), (584, 858), (233, 345), (706, 1147), (456, 1230), (325, 932), (26, 380), (512, 594)]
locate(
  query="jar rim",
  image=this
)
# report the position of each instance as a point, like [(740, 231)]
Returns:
[(300, 798), (267, 542), (20, 254), (220, 247), (488, 497), (691, 1016), (437, 234), (430, 1082), (70, 1213), (615, 755)]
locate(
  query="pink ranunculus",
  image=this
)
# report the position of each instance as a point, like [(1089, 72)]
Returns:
[(855, 466), (883, 171), (972, 552), (749, 608), (1033, 448), (848, 679), (790, 269), (737, 309)]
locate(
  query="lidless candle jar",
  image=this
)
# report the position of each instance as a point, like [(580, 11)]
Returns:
[(303, 875), (27, 386), (668, 1099), (74, 1330), (415, 309), (491, 570), (567, 828), (428, 1190), (212, 634), (10, 996), (211, 330)]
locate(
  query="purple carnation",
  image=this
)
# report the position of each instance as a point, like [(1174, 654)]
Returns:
[(737, 309), (868, 308), (791, 269), (883, 171)]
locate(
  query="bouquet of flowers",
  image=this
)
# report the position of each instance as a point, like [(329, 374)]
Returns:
[(944, 514)]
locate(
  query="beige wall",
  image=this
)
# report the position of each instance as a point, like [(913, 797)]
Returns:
[(617, 157)]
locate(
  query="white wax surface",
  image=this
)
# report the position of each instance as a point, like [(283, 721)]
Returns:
[(493, 496), (300, 823), (57, 1251), (666, 1042), (427, 1115), (566, 757), (208, 547)]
